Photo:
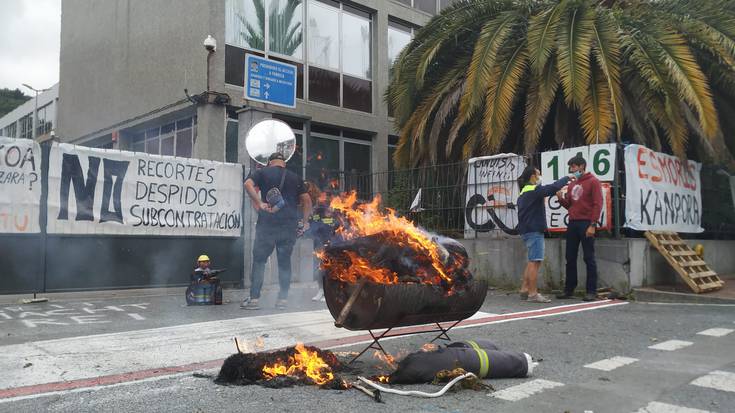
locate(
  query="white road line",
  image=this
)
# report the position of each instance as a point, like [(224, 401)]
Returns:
[(671, 345), (524, 390), (136, 316), (718, 380), (611, 363), (658, 407), (716, 332)]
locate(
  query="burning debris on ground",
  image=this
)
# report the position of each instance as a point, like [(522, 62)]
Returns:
[(299, 364)]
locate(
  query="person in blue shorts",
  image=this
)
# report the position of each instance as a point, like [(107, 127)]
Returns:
[(532, 224)]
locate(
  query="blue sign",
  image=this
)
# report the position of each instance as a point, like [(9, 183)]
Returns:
[(269, 81)]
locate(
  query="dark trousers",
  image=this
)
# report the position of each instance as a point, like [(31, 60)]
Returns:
[(267, 238), (576, 234)]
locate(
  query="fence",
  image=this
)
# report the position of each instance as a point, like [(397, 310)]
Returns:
[(444, 205)]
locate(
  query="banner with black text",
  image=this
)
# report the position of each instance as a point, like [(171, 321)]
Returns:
[(101, 191), (662, 191)]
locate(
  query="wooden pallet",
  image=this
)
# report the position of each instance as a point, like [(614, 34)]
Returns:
[(690, 266)]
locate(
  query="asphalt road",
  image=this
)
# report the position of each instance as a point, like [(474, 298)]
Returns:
[(660, 380)]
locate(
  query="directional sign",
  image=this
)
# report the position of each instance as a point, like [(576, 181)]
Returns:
[(269, 81)]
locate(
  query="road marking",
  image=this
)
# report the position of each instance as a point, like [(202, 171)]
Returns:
[(718, 380), (658, 407), (523, 390), (611, 363), (136, 316), (716, 332), (671, 345), (78, 357)]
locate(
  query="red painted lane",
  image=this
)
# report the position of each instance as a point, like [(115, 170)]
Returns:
[(39, 389)]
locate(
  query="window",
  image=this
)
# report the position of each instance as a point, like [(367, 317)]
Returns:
[(251, 24), (399, 36), (10, 130), (339, 159), (172, 139), (334, 40), (339, 54), (26, 126), (45, 119)]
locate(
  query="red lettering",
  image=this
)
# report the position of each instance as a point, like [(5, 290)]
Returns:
[(641, 163)]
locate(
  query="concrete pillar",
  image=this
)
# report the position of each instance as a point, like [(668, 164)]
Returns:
[(210, 142)]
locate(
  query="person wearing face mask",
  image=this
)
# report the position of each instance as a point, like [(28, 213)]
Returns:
[(583, 200), (531, 226)]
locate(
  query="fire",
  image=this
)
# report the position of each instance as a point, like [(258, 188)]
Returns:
[(366, 220), (383, 379), (304, 362)]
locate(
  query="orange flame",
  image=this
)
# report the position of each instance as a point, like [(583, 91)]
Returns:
[(304, 362), (383, 379), (367, 219)]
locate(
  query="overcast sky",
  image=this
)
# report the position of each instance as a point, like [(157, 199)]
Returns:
[(29, 43)]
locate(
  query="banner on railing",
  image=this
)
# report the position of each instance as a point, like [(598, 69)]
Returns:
[(492, 192), (99, 191), (20, 186), (600, 162), (662, 191), (557, 217)]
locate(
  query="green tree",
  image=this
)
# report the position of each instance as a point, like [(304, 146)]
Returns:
[(284, 36), (495, 75), (11, 99)]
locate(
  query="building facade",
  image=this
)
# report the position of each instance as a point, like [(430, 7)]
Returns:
[(19, 122), (134, 76)]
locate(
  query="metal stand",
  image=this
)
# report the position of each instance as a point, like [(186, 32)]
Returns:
[(375, 345)]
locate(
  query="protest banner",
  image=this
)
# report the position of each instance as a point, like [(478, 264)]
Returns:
[(557, 217), (600, 162), (20, 186)]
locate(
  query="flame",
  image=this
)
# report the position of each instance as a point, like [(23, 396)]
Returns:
[(383, 379), (367, 219), (385, 358), (304, 362)]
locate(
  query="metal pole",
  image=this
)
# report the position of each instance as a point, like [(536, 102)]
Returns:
[(35, 118)]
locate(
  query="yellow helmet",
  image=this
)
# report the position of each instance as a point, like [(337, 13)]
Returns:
[(202, 258)]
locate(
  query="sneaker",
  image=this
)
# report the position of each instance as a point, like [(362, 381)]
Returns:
[(319, 296), (538, 298), (565, 296), (524, 296), (281, 304), (590, 297), (250, 304)]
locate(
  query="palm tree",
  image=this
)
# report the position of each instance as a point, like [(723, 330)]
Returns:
[(284, 36), (495, 75)]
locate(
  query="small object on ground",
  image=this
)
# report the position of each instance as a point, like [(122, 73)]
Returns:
[(34, 300), (250, 304), (565, 296), (25, 366), (472, 383), (281, 304), (374, 394), (202, 375), (538, 298)]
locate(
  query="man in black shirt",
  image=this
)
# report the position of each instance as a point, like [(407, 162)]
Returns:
[(278, 221)]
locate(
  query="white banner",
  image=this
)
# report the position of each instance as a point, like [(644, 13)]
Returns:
[(662, 191), (20, 186), (557, 217), (100, 191), (600, 162), (492, 192)]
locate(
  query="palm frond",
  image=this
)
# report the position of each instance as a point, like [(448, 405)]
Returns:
[(541, 93), (575, 37), (607, 55), (542, 30), (597, 116)]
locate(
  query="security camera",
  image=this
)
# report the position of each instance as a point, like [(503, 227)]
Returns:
[(210, 43)]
